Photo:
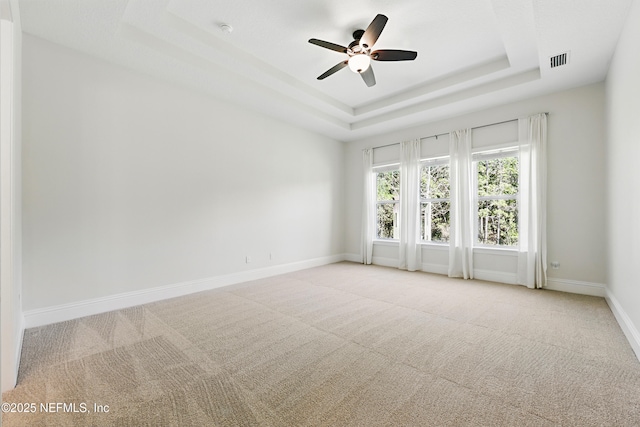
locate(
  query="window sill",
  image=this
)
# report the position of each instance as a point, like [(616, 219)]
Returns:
[(505, 251), (389, 242), (436, 246)]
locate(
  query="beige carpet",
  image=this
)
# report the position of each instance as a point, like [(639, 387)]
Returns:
[(339, 345)]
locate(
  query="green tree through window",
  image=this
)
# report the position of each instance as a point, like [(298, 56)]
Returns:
[(388, 203), (435, 201), (497, 186)]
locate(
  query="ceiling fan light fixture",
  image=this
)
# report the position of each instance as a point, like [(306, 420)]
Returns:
[(359, 63), (359, 54)]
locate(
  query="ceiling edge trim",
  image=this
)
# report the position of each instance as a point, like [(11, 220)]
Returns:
[(463, 76), (249, 86), (508, 82)]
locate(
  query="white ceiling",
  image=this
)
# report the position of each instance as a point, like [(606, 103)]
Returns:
[(472, 54)]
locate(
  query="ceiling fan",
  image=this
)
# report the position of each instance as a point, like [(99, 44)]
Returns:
[(360, 54)]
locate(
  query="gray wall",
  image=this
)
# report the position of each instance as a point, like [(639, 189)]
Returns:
[(623, 142), (10, 193), (131, 183)]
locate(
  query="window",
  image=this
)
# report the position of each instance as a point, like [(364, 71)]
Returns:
[(387, 203), (496, 188), (435, 201)]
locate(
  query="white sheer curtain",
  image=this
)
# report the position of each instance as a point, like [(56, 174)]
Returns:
[(461, 215), (410, 254), (368, 206), (532, 209)]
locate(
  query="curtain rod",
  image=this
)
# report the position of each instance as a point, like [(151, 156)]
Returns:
[(447, 133)]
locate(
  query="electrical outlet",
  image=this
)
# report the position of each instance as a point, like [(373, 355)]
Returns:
[(555, 265), (248, 259)]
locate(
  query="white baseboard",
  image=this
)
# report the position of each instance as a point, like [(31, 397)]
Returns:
[(435, 268), (393, 262), (9, 382), (627, 326), (576, 287), (353, 257), (385, 262), (495, 276), (20, 339), (63, 312)]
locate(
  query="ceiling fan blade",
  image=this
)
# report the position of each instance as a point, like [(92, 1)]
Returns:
[(328, 45), (333, 69), (368, 76), (393, 55), (373, 31)]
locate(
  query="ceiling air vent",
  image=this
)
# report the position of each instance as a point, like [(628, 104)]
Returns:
[(559, 60)]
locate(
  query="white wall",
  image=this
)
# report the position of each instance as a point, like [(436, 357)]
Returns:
[(623, 142), (131, 183), (576, 193), (10, 193)]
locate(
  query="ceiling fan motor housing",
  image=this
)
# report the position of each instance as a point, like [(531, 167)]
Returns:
[(355, 47), (359, 52)]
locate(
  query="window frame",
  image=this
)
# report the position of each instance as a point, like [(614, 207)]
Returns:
[(490, 153), (388, 167), (434, 161)]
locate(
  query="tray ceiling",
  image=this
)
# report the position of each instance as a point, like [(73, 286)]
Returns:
[(472, 54)]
